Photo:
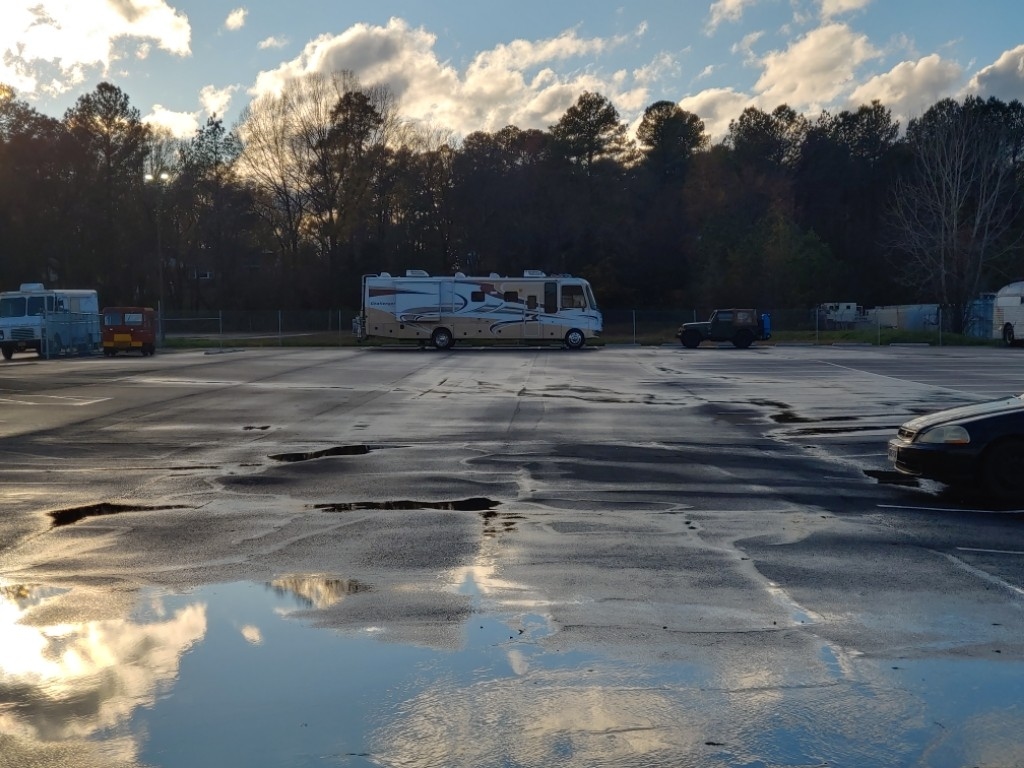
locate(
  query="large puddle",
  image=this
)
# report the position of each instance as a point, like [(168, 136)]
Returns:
[(239, 675)]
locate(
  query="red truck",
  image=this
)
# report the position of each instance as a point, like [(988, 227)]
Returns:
[(129, 329)]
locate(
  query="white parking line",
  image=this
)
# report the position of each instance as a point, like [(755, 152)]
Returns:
[(50, 400), (951, 509), (983, 575), (991, 551)]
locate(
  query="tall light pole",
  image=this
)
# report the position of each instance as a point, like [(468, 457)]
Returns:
[(160, 179)]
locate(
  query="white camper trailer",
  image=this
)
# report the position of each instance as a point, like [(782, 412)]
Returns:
[(1008, 314), (48, 321), (443, 310)]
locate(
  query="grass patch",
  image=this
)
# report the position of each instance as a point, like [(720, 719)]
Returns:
[(644, 337)]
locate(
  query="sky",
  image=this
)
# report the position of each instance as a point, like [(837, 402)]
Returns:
[(479, 66)]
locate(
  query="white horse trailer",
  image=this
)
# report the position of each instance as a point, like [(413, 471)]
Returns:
[(441, 311)]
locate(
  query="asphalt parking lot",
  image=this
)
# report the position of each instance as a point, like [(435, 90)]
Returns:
[(630, 556)]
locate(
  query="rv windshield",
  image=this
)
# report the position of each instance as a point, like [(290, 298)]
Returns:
[(12, 306), (573, 298)]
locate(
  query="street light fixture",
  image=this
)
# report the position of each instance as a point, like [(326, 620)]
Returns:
[(160, 178)]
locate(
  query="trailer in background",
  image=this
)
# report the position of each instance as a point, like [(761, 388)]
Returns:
[(443, 310), (1008, 314)]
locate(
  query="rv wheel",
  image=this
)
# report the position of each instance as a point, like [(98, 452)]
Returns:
[(442, 338), (1008, 338), (8, 351), (575, 339)]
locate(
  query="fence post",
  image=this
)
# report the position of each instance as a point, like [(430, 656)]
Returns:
[(634, 326), (220, 324), (280, 329)]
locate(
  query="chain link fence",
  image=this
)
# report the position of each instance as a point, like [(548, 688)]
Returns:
[(820, 324)]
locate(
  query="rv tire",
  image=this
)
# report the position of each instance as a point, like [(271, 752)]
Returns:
[(1008, 336), (575, 339), (8, 351), (442, 338)]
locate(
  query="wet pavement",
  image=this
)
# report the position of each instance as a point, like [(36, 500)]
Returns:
[(626, 556)]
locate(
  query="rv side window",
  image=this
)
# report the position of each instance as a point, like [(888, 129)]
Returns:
[(572, 297), (512, 296), (531, 302), (12, 307), (477, 296)]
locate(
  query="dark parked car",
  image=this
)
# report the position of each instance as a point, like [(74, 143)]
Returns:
[(740, 326), (980, 445)]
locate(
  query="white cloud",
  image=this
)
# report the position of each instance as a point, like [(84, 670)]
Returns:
[(746, 45), (236, 19), (178, 124), (707, 72), (909, 88), (52, 45), (508, 84), (216, 101), (832, 8), (664, 66), (815, 69), (1004, 79), (716, 107), (725, 10), (272, 42)]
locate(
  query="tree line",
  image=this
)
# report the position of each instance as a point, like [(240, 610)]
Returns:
[(326, 181)]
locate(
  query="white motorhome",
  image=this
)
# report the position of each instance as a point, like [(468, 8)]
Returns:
[(1008, 314), (49, 321), (442, 310)]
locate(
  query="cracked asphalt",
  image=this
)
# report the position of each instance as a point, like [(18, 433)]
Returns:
[(643, 556)]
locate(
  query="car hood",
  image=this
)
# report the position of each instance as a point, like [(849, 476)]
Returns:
[(966, 412)]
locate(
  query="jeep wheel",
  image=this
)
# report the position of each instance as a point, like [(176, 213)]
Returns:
[(690, 338), (743, 339)]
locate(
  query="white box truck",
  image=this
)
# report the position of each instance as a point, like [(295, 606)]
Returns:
[(49, 322)]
